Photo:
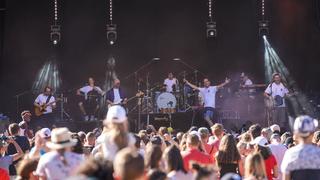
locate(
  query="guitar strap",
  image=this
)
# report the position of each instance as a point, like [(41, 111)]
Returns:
[(48, 98)]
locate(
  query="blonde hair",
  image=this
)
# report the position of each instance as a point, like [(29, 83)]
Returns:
[(217, 129), (254, 166), (119, 135)]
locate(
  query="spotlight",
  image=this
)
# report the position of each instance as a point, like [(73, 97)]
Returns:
[(55, 34), (263, 28), (211, 29), (111, 33), (264, 37)]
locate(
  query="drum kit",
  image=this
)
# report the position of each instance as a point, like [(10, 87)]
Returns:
[(157, 100)]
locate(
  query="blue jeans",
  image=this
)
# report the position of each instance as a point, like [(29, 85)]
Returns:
[(208, 115)]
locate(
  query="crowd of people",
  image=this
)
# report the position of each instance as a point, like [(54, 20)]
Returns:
[(113, 152)]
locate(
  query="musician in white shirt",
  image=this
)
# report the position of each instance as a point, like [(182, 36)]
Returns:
[(170, 83), (116, 96), (277, 91), (48, 100), (89, 105), (208, 92)]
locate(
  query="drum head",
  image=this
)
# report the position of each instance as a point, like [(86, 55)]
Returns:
[(166, 100)]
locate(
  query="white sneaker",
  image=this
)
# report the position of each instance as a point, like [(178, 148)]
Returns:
[(86, 118)]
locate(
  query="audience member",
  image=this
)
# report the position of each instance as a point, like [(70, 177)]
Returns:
[(128, 165), (174, 164), (255, 167), (269, 159), (228, 157), (278, 150), (7, 160), (153, 157), (116, 135), (60, 162), (96, 169), (303, 160), (23, 142), (26, 169), (193, 155)]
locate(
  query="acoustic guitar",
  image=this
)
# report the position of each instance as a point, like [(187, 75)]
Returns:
[(38, 111)]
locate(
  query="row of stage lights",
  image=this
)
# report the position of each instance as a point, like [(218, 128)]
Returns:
[(111, 29)]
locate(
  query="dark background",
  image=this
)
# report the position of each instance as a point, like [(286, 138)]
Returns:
[(153, 28)]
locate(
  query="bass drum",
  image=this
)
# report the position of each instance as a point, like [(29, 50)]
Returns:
[(167, 102)]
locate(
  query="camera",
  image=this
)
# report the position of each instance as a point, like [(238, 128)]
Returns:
[(5, 138)]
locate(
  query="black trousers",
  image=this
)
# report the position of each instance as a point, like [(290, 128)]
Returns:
[(45, 121)]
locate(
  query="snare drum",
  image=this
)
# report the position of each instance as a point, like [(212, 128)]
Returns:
[(167, 102)]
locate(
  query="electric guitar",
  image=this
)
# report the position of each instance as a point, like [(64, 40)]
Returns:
[(38, 111), (122, 103)]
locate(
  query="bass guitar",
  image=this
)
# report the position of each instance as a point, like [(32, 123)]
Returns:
[(122, 103)]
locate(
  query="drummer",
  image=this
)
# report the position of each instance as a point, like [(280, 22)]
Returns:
[(170, 83)]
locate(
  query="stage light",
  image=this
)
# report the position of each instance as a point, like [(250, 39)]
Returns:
[(299, 103), (211, 29), (47, 76), (155, 59), (55, 35), (264, 28), (176, 59), (264, 37), (112, 33)]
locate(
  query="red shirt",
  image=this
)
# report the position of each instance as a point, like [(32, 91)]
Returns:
[(270, 162), (211, 150), (216, 144), (197, 156), (4, 175)]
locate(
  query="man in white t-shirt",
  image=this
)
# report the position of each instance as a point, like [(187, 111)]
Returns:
[(115, 96), (170, 83), (89, 104), (277, 91), (208, 93), (46, 99), (303, 160), (278, 150)]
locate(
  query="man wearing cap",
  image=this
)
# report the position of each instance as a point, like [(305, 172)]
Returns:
[(275, 128), (277, 149), (303, 160), (40, 147)]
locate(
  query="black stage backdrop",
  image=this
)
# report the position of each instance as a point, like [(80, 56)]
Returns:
[(154, 28)]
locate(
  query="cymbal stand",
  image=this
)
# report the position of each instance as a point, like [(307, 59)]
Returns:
[(147, 91), (62, 111)]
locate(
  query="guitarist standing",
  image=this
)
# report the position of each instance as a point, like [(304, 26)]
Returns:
[(115, 96), (275, 94), (45, 103)]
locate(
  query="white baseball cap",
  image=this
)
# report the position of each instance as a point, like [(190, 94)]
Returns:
[(45, 133), (305, 125), (116, 114), (261, 141), (275, 127)]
